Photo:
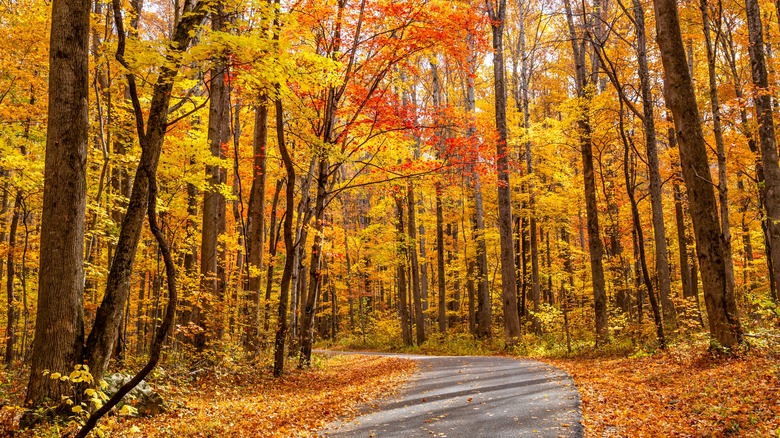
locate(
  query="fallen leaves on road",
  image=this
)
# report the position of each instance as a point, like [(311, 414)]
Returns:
[(684, 392), (253, 405)]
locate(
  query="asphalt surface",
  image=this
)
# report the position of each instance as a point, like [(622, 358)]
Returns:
[(473, 396)]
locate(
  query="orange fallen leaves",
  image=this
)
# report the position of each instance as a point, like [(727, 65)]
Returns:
[(254, 405), (684, 392)]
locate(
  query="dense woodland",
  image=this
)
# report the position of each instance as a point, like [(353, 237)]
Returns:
[(197, 180)]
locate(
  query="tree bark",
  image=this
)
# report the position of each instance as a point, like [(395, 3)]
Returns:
[(721, 305), (656, 195), (419, 318), (256, 225), (212, 269), (497, 15), (403, 307), (59, 331), (595, 245), (766, 131), (284, 288)]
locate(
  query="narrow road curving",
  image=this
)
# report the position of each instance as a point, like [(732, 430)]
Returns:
[(472, 396)]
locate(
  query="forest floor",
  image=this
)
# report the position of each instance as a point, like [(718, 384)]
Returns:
[(248, 402), (685, 391)]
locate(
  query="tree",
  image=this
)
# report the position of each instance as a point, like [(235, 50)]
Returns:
[(718, 294), (595, 245), (497, 15), (59, 331)]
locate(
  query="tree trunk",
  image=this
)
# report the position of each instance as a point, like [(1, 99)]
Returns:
[(766, 131), (10, 331), (497, 14), (721, 305), (637, 223), (103, 334), (442, 280), (403, 308), (59, 331), (419, 317), (656, 195), (256, 225), (212, 268), (595, 246), (284, 288)]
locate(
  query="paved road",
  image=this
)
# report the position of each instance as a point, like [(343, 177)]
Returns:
[(473, 396)]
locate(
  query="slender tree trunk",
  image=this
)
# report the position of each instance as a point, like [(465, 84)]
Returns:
[(256, 225), (419, 319), (212, 262), (640, 238), (442, 281), (595, 245), (497, 14), (766, 131), (59, 331), (284, 288), (403, 308), (721, 305), (273, 240), (656, 195), (10, 331)]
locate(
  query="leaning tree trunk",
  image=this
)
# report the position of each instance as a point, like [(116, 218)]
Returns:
[(59, 331), (151, 136), (718, 294)]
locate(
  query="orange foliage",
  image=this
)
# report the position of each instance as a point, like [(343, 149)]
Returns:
[(255, 404), (684, 392)]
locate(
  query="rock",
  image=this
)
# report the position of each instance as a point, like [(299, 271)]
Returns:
[(143, 398)]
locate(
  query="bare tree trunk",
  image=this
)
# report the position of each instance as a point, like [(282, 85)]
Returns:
[(273, 240), (766, 131), (656, 195), (497, 14), (212, 268), (419, 318), (403, 308), (10, 331), (59, 331), (720, 302), (595, 245), (256, 225), (284, 288)]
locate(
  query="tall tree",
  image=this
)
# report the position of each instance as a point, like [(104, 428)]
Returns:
[(59, 330), (762, 99), (497, 15), (718, 294), (595, 245)]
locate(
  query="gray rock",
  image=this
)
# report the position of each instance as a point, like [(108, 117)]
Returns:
[(143, 397)]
